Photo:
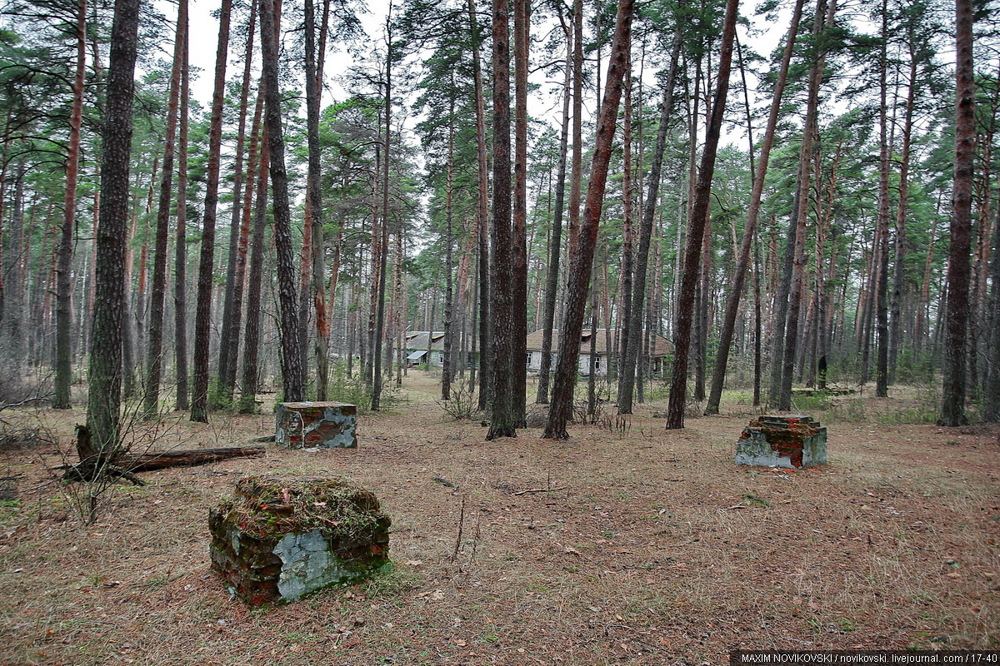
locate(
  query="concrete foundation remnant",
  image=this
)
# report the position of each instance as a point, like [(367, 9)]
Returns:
[(790, 441), (325, 425), (280, 539)]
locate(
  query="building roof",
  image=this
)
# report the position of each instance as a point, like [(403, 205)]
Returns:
[(417, 340), (660, 345)]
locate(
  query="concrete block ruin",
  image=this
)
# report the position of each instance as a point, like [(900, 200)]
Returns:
[(279, 539), (325, 425), (782, 441)]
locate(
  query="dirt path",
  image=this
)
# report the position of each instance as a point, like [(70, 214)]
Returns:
[(635, 547)]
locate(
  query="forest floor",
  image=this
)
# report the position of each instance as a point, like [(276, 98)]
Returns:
[(634, 544)]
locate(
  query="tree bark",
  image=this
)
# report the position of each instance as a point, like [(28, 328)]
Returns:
[(13, 322), (696, 228), (552, 275), (797, 247), (206, 266), (158, 294), (503, 419), (882, 250), (253, 174), (291, 354), (180, 249), (628, 235), (957, 312), (482, 217), (315, 194), (229, 344), (991, 392), (750, 227), (149, 462), (448, 288), (384, 243), (898, 281), (632, 343), (105, 373), (251, 336), (64, 281), (519, 368), (582, 253)]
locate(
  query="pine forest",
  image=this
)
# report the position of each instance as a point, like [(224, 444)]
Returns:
[(660, 197)]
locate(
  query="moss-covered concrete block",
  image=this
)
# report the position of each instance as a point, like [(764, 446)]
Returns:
[(280, 539)]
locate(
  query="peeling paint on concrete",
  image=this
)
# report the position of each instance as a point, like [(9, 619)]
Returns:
[(782, 441)]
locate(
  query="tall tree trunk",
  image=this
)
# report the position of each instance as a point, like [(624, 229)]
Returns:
[(64, 281), (797, 248), (105, 372), (582, 252), (757, 332), (251, 337), (255, 150), (503, 418), (3, 257), (696, 229), (519, 350), (206, 266), (128, 342), (632, 343), (867, 307), (592, 351), (899, 277), (291, 355), (552, 275), (180, 249), (446, 374), (229, 344), (482, 217), (991, 393), (882, 250), (305, 273), (957, 313), (628, 242), (158, 294), (384, 251), (750, 227), (13, 322), (701, 323), (315, 194)]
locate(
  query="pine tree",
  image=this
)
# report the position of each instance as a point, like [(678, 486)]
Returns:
[(957, 314), (105, 373), (696, 228)]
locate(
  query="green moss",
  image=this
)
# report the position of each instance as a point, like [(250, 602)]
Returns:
[(267, 507)]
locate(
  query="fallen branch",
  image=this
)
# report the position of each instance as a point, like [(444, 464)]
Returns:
[(147, 462), (535, 490), (14, 405), (127, 465)]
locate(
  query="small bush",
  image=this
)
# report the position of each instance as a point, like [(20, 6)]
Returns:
[(16, 437), (463, 404), (353, 390)]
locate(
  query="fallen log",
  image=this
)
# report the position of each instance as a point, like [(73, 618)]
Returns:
[(147, 462)]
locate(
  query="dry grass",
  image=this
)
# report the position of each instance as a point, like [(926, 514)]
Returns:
[(634, 546)]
